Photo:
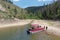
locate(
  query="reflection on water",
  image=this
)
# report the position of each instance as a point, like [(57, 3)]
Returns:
[(19, 33)]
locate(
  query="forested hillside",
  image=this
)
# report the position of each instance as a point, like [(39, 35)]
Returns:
[(50, 11), (10, 11)]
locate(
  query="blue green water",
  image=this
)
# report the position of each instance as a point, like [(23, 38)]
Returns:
[(19, 33)]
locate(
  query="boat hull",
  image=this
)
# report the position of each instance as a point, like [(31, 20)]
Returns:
[(37, 30)]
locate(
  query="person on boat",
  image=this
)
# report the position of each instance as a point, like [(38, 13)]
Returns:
[(32, 27), (28, 31), (39, 26), (46, 27)]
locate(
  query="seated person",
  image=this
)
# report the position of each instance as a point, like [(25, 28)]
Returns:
[(32, 27), (39, 26)]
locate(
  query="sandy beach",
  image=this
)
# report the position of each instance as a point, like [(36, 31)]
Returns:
[(10, 23)]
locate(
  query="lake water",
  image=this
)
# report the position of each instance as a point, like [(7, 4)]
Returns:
[(19, 33)]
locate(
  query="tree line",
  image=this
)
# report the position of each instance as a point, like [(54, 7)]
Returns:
[(50, 11)]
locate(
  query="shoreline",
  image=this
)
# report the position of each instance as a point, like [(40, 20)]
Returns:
[(51, 29), (15, 23)]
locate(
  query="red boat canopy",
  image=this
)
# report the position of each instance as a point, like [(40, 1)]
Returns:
[(34, 25)]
